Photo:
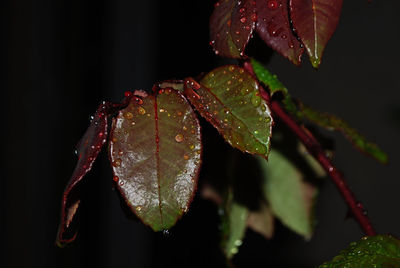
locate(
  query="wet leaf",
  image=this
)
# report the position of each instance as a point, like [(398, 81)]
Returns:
[(315, 21), (274, 28), (228, 97), (262, 221), (231, 26), (155, 151), (87, 150), (381, 251), (331, 122), (291, 198), (234, 223)]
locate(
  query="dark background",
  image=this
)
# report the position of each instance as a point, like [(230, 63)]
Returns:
[(64, 57)]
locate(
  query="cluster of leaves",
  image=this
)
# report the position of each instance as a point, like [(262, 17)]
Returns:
[(155, 143)]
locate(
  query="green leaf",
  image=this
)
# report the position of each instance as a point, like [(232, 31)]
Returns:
[(262, 221), (234, 223), (332, 122), (291, 198), (229, 98), (155, 151), (315, 21), (381, 251)]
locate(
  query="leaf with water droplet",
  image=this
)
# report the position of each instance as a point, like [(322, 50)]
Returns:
[(380, 251), (332, 122), (274, 28), (161, 159), (233, 224), (87, 151), (231, 26), (291, 198), (315, 22), (230, 109)]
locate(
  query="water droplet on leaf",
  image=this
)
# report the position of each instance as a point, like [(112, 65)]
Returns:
[(179, 138)]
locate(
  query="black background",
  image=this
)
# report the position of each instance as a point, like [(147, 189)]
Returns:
[(64, 57)]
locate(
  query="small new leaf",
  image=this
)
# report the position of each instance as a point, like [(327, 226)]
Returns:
[(381, 251)]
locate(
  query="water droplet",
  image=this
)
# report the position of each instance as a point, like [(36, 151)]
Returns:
[(162, 110), (229, 22), (234, 250), (120, 152), (114, 139), (243, 20), (212, 42), (242, 10), (91, 118), (116, 178), (121, 183), (272, 4), (245, 91), (141, 110), (179, 138), (138, 208), (128, 94), (128, 115), (191, 147), (284, 36), (238, 243), (166, 233), (101, 134), (179, 113), (267, 119), (161, 91), (255, 100), (254, 17), (186, 157), (255, 132), (75, 152), (216, 52), (116, 162)]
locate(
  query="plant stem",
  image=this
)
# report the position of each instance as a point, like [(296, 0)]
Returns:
[(316, 150)]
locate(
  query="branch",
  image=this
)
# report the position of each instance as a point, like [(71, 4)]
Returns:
[(316, 150)]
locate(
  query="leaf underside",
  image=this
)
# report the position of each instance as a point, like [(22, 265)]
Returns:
[(231, 26), (228, 97), (315, 22), (274, 28), (87, 149), (155, 150), (381, 251)]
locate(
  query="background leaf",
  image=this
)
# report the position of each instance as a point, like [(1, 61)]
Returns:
[(291, 198), (274, 28), (231, 26), (315, 21), (155, 151), (228, 98), (381, 251), (262, 221)]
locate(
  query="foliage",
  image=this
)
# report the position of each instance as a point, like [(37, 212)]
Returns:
[(155, 145)]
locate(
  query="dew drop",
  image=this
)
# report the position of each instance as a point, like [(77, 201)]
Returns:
[(243, 20), (255, 100), (116, 178), (138, 208), (75, 152), (179, 138), (254, 17), (179, 113), (128, 115), (186, 157), (272, 4), (238, 242), (116, 162), (141, 110), (91, 118), (242, 10), (191, 147), (231, 68), (128, 94), (166, 233)]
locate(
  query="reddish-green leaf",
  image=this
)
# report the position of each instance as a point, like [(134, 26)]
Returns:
[(88, 149), (274, 28), (155, 151), (231, 26), (315, 21), (229, 98)]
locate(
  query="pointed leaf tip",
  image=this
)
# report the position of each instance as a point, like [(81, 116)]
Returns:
[(155, 152)]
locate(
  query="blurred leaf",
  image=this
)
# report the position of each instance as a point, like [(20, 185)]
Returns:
[(291, 198), (231, 26), (87, 150), (233, 226), (315, 21), (155, 151), (228, 97), (262, 221), (274, 28), (381, 251), (332, 122)]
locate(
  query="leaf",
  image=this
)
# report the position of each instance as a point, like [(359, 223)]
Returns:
[(262, 221), (291, 198), (233, 226), (381, 251), (228, 97), (332, 122), (274, 28), (315, 22), (155, 151), (88, 149), (231, 26)]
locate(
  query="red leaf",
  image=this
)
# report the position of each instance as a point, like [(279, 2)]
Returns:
[(315, 21), (231, 26), (155, 151), (88, 149), (274, 28)]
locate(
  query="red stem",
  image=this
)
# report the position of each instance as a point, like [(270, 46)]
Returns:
[(315, 149)]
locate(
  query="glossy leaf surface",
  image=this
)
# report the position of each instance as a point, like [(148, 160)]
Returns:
[(155, 151), (87, 150), (274, 28), (231, 26), (331, 122), (229, 99), (315, 21), (291, 198), (381, 251)]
